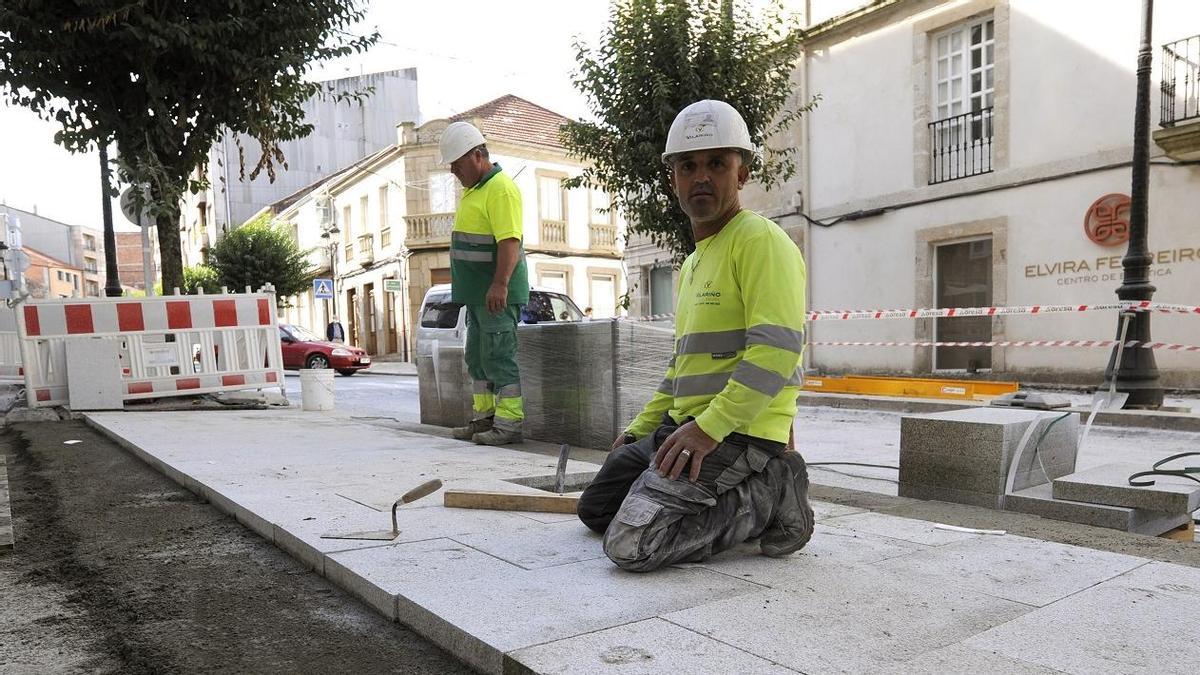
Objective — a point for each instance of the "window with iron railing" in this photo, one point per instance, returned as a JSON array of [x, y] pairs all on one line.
[[1180, 81], [960, 140]]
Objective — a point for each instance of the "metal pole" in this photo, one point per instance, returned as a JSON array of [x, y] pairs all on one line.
[[112, 282], [1137, 374], [147, 257]]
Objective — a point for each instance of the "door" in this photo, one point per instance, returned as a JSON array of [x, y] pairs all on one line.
[[963, 278], [293, 354], [389, 321], [370, 325], [353, 323], [661, 291], [604, 296]]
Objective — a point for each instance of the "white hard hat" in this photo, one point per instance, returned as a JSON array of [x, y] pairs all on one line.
[[705, 125], [457, 140]]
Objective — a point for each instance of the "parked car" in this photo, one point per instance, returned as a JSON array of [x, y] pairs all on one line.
[[304, 349], [445, 322]]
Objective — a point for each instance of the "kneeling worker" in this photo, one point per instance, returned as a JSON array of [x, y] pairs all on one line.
[[487, 274], [705, 466]]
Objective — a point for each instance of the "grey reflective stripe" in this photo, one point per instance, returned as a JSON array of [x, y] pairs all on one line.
[[759, 379], [667, 386], [776, 336], [468, 238], [509, 391], [481, 387], [717, 342], [471, 256], [700, 385]]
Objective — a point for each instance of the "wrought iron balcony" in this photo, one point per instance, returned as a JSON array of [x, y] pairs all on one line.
[[960, 146], [428, 230], [602, 238], [1180, 100]]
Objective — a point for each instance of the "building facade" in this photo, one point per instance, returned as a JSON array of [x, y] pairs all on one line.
[[75, 246], [394, 210], [343, 133], [130, 267], [978, 153], [48, 277]]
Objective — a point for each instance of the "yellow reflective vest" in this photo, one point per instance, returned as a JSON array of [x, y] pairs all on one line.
[[739, 335], [489, 212]]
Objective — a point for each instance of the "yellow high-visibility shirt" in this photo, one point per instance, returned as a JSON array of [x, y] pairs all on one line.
[[739, 335], [489, 212]]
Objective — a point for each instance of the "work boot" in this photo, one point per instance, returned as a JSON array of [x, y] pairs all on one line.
[[475, 427], [792, 524], [497, 436]]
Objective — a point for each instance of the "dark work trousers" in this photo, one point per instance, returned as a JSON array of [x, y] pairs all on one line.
[[650, 521]]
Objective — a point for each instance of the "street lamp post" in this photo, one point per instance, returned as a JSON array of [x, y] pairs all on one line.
[[331, 246], [1138, 373]]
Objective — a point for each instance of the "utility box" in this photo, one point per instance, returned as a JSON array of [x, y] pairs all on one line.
[[94, 375]]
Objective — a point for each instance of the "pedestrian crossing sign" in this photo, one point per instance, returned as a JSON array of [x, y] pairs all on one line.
[[323, 289]]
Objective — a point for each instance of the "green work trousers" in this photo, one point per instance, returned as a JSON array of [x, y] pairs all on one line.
[[491, 354]]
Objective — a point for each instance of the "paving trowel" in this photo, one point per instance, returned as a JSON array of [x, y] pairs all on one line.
[[423, 490]]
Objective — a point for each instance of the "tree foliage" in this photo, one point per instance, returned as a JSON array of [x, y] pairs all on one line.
[[259, 253], [163, 78], [656, 57], [199, 277]]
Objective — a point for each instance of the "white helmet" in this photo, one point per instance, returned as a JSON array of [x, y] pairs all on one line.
[[705, 125], [457, 140]]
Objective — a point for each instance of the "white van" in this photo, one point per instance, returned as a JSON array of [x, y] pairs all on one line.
[[445, 322]]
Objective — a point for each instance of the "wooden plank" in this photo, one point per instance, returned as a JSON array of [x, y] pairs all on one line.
[[511, 501]]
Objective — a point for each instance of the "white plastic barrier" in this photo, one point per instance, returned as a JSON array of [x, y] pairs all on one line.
[[10, 346], [168, 346]]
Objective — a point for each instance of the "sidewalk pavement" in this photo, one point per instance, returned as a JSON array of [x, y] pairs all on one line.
[[392, 368], [524, 592]]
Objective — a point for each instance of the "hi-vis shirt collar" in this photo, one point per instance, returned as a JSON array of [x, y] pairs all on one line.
[[487, 176]]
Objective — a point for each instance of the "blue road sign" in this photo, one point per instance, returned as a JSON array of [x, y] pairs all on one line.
[[323, 289]]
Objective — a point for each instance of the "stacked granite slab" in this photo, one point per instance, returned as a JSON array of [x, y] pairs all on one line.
[[1151, 509], [582, 382], [6, 531], [964, 456]]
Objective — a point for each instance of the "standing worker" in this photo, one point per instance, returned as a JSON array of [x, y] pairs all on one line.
[[715, 434], [487, 274]]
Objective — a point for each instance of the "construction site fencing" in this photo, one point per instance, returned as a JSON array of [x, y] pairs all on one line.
[[165, 346]]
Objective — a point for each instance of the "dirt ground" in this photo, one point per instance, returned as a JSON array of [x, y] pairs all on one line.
[[117, 569]]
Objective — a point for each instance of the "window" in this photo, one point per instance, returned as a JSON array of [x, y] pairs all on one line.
[[439, 312], [385, 228], [661, 290], [602, 213], [93, 289], [442, 196], [348, 238], [604, 295], [553, 279], [439, 275], [61, 276], [89, 242], [963, 278], [551, 198], [549, 307], [963, 98]]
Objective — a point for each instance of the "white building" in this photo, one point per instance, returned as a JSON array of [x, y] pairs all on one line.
[[955, 155], [394, 211], [343, 132]]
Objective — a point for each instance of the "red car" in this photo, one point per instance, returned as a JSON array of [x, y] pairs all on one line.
[[303, 349]]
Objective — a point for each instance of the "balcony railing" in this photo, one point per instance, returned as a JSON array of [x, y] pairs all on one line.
[[427, 230], [602, 238], [554, 234], [960, 146], [385, 237], [1180, 81], [349, 249], [366, 249]]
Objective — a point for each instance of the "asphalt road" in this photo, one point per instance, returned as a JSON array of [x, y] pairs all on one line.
[[367, 394], [117, 569]]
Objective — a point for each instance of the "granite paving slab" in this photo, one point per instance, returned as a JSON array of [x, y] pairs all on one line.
[[849, 618], [1040, 501], [916, 531], [1139, 622], [1015, 568], [536, 545], [482, 619], [958, 658], [1109, 484], [829, 546], [641, 648], [826, 510]]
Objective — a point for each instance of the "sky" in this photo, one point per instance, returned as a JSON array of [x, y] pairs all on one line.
[[466, 52]]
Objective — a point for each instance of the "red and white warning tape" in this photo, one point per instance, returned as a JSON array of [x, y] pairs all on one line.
[[945, 312], [1019, 343]]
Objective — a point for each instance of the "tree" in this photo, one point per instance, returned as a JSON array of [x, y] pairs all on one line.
[[655, 58], [163, 78], [259, 253], [199, 277]]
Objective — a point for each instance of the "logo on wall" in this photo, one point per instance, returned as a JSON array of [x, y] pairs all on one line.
[[1107, 220]]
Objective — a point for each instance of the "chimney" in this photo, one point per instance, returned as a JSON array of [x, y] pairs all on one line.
[[406, 132]]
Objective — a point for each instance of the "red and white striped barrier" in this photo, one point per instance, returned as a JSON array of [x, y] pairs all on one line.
[[1019, 343], [167, 346]]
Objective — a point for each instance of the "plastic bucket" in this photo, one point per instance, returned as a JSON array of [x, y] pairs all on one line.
[[316, 389]]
